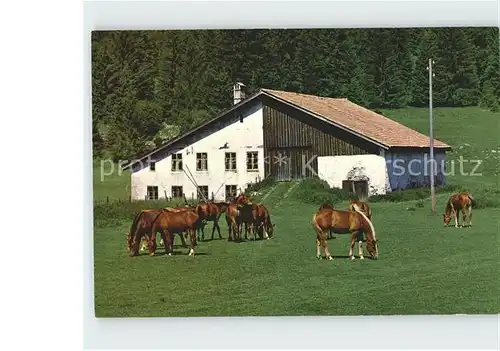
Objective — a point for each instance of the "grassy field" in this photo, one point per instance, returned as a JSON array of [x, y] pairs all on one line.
[[423, 268]]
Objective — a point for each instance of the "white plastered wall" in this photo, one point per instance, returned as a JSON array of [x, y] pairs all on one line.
[[335, 169]]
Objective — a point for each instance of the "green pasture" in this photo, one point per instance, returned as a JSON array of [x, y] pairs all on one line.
[[423, 267]]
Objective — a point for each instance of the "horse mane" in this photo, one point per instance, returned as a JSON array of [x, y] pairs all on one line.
[[372, 228], [133, 227], [448, 208]]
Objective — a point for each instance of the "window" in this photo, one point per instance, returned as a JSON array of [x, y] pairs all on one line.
[[177, 162], [152, 166], [201, 161], [230, 161], [203, 192], [177, 191], [152, 193], [231, 192], [252, 161]]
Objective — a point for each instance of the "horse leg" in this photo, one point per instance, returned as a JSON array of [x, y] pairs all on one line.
[[216, 225], [318, 244], [230, 234], [360, 245], [464, 217], [325, 247], [213, 228], [167, 241], [152, 242], [455, 215], [470, 216], [192, 236], [183, 239], [353, 243]]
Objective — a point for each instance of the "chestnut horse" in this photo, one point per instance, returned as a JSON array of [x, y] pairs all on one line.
[[211, 212], [262, 222], [363, 206], [233, 217], [168, 223], [343, 222], [141, 229], [327, 206], [458, 202]]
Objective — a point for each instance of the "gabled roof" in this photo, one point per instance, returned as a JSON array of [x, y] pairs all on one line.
[[340, 112], [359, 119]]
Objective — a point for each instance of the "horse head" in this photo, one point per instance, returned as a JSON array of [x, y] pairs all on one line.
[[372, 247], [446, 218], [269, 227], [241, 199], [129, 241]]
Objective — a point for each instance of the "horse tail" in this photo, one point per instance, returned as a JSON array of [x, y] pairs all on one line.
[[315, 225], [472, 201], [372, 228]]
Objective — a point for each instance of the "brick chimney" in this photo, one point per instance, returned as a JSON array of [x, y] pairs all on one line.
[[238, 92]]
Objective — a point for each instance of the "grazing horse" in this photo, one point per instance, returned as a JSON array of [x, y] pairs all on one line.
[[168, 223], [363, 206], [343, 222], [458, 202], [262, 222], [141, 227]]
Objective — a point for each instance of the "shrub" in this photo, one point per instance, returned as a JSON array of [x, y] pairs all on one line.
[[259, 186], [111, 214], [419, 204], [317, 191], [412, 194]]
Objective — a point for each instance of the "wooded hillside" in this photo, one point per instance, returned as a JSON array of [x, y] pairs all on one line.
[[149, 86]]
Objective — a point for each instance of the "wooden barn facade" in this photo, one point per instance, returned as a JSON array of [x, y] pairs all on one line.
[[288, 136]]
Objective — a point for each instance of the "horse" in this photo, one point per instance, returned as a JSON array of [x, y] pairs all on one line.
[[141, 228], [263, 223], [233, 216], [363, 206], [211, 212], [458, 202], [343, 222], [168, 223]]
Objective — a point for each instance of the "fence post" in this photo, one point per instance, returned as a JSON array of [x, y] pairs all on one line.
[[107, 200]]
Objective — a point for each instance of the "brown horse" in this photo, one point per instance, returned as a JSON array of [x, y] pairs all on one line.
[[233, 216], [141, 228], [363, 206], [211, 212], [168, 223], [232, 221], [262, 222], [458, 202], [343, 222]]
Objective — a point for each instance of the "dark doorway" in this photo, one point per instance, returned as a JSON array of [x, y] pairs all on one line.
[[357, 187]]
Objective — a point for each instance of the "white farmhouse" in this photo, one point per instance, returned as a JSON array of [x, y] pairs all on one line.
[[287, 136]]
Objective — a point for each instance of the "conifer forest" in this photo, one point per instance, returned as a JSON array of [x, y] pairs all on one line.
[[150, 86]]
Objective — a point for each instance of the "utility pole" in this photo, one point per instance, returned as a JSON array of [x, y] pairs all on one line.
[[431, 136]]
